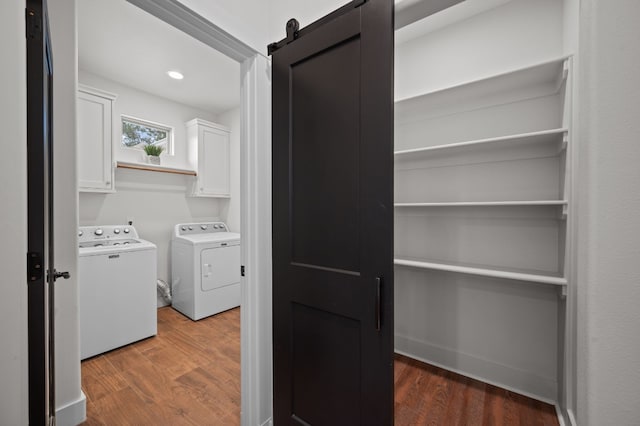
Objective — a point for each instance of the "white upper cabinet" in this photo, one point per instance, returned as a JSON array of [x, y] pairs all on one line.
[[209, 150], [95, 135]]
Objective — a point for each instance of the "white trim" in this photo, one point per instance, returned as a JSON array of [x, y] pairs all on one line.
[[73, 413], [255, 159], [268, 422], [559, 415], [97, 92], [200, 121]]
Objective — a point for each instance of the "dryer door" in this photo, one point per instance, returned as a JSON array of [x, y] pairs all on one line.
[[220, 267]]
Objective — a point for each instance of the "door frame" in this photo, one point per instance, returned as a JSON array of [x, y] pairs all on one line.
[[255, 199]]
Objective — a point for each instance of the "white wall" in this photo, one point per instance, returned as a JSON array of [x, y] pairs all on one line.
[[609, 317], [231, 210], [69, 397], [13, 220], [511, 36], [155, 201]]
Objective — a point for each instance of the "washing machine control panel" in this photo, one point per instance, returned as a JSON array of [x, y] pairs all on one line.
[[107, 232], [200, 228]]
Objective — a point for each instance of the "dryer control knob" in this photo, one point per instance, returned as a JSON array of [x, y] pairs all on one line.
[[184, 228], [80, 233], [215, 226], [126, 230], [191, 228], [203, 227], [116, 231], [98, 231]]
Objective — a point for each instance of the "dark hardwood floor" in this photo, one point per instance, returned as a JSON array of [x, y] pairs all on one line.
[[428, 395], [189, 374]]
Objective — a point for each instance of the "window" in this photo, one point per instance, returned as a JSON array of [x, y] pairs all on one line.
[[137, 133]]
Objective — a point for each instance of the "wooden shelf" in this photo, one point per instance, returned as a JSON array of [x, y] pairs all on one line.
[[154, 168], [486, 204], [494, 273], [545, 136]]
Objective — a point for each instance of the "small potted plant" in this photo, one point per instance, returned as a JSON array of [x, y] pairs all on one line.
[[153, 153]]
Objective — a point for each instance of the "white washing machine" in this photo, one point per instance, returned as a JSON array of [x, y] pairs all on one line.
[[205, 269], [117, 286]]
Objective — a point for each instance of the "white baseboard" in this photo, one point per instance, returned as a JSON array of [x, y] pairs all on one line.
[[523, 382], [268, 422], [73, 413], [559, 415]]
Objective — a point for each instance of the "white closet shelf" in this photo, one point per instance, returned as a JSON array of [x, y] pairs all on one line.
[[487, 203], [549, 74], [494, 273], [541, 137]]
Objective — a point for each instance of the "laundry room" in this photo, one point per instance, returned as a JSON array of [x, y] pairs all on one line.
[[159, 210]]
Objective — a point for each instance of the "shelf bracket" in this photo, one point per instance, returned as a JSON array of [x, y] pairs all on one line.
[[563, 291], [565, 69], [564, 75], [565, 142]]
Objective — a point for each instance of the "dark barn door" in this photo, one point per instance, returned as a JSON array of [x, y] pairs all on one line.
[[333, 219]]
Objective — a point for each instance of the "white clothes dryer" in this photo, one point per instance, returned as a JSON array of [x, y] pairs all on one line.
[[205, 269]]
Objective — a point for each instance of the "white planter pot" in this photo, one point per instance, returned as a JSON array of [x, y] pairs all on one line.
[[153, 159]]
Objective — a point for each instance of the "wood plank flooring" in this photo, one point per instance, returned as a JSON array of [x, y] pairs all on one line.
[[189, 374], [428, 395]]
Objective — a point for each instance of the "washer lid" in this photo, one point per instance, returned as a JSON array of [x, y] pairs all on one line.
[[110, 248], [215, 237]]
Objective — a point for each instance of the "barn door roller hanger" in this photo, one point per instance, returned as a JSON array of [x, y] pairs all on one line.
[[293, 28]]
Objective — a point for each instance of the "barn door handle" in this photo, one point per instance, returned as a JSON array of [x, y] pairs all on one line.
[[378, 303]]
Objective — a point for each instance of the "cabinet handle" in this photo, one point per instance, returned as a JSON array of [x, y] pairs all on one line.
[[378, 303]]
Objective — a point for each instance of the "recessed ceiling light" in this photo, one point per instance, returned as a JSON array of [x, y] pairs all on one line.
[[175, 75]]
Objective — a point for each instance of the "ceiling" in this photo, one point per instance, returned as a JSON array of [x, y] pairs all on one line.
[[121, 42]]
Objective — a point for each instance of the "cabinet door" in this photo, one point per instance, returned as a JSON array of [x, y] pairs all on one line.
[[213, 162], [94, 143]]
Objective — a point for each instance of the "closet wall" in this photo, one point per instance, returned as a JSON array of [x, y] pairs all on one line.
[[482, 146]]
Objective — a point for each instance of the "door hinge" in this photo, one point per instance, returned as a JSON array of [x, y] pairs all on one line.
[[33, 25], [242, 270], [34, 266]]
